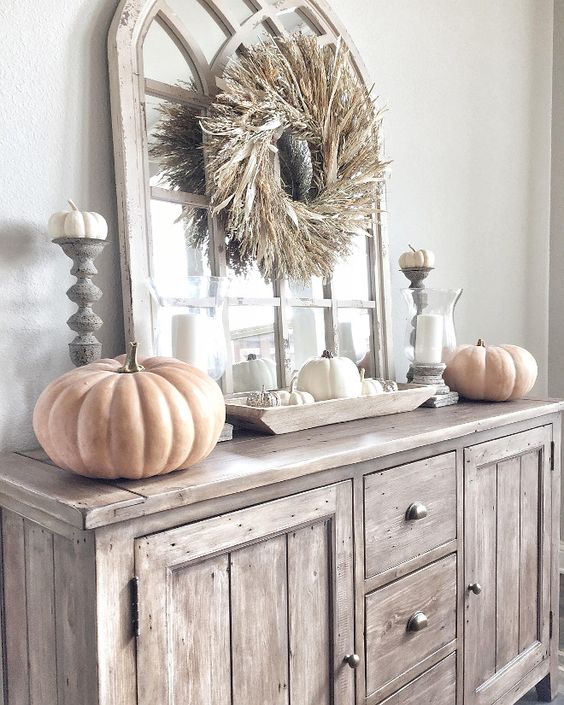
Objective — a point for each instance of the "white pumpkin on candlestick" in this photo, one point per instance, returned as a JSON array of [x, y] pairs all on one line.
[[254, 373], [77, 223], [329, 377], [416, 258]]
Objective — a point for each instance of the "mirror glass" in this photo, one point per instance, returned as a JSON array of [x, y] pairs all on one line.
[[163, 59], [307, 334], [200, 22]]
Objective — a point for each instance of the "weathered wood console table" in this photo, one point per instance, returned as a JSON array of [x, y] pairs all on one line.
[[402, 560]]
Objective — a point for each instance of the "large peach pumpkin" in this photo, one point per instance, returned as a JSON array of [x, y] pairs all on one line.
[[117, 418], [491, 373]]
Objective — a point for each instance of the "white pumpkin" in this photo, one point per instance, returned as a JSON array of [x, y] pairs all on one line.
[[75, 223], [416, 258], [295, 397], [254, 373], [329, 377], [370, 387]]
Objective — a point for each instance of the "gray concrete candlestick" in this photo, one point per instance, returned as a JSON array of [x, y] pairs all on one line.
[[83, 251]]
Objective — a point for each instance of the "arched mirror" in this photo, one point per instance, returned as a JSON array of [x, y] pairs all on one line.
[[174, 51]]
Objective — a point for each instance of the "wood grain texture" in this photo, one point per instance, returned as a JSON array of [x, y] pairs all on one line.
[[508, 530], [115, 651], [480, 537], [259, 645], [529, 543], [75, 623], [61, 494], [15, 609], [310, 647], [198, 655], [40, 600], [435, 687], [390, 649], [248, 462], [390, 538]]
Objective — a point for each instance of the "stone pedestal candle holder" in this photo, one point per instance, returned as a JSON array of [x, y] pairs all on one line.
[[83, 251], [432, 373]]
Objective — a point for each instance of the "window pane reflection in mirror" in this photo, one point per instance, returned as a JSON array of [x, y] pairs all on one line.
[[354, 333], [350, 279], [163, 60], [174, 257], [202, 24], [307, 334], [253, 348]]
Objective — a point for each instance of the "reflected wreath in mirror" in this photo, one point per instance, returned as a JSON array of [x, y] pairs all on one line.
[[294, 156]]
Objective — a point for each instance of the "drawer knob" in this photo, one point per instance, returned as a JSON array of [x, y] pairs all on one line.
[[353, 660], [416, 511], [417, 622], [476, 588]]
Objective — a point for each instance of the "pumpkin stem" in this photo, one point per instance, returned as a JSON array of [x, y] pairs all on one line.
[[412, 248], [293, 384], [72, 204], [327, 354], [481, 343], [252, 356], [362, 373], [131, 364]]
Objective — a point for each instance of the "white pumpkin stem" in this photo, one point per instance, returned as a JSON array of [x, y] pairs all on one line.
[[293, 384], [251, 357], [72, 204], [362, 373], [131, 365], [327, 354], [481, 343], [412, 248]]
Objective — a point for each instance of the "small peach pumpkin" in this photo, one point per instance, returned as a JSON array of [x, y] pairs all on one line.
[[491, 373], [118, 418]]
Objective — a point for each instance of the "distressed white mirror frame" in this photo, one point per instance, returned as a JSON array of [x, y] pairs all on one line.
[[129, 88]]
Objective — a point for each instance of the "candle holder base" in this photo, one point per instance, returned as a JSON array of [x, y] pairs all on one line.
[[432, 373]]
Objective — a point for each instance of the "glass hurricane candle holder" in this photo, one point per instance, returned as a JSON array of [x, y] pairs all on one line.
[[190, 321], [430, 338]]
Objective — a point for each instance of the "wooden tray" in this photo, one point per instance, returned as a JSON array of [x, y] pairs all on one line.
[[285, 419]]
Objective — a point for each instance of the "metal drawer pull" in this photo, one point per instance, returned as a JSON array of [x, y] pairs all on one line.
[[416, 511], [476, 588], [417, 622], [353, 660]]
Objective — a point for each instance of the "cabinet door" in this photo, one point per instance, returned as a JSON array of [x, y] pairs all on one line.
[[507, 554], [250, 608]]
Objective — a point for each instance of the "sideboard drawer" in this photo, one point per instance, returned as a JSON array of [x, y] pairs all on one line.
[[437, 686], [409, 620], [391, 537]]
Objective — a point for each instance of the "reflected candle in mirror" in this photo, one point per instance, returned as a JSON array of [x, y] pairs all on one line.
[[189, 334], [429, 338]]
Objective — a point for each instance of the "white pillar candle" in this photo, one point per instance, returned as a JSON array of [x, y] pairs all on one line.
[[429, 338], [189, 334]]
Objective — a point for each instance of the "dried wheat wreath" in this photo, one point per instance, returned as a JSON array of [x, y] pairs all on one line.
[[293, 215]]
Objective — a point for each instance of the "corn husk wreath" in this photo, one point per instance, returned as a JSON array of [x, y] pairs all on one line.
[[312, 93]]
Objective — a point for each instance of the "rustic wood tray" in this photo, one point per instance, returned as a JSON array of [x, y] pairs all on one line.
[[285, 419]]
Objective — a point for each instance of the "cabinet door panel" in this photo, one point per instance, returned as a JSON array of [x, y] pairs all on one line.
[[309, 627], [251, 607], [259, 623], [507, 551], [199, 603]]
